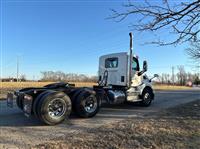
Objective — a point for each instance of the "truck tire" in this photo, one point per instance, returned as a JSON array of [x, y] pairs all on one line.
[[74, 98], [147, 97], [53, 107], [36, 102], [87, 104]]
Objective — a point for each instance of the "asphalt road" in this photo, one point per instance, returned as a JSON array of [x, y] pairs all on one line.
[[16, 130]]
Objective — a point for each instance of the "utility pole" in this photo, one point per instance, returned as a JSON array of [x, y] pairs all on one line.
[[33, 78], [173, 75], [17, 68]]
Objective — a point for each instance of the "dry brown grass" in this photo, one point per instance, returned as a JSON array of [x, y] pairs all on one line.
[[11, 85], [170, 87], [168, 129], [14, 85]]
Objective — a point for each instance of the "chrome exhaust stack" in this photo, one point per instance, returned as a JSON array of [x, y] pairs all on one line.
[[130, 59]]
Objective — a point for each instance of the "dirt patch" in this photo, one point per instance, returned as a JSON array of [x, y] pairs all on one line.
[[177, 127]]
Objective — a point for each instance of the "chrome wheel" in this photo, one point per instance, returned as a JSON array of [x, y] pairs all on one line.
[[90, 104], [57, 108], [147, 98]]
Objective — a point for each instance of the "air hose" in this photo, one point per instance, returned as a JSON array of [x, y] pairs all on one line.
[[104, 80]]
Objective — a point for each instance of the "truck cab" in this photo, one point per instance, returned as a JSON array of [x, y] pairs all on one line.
[[117, 66], [115, 70]]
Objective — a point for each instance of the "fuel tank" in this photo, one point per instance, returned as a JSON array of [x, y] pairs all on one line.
[[116, 96]]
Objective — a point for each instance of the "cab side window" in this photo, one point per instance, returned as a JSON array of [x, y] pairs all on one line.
[[111, 63]]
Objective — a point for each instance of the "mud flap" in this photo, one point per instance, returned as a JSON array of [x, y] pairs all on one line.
[[9, 99], [27, 105]]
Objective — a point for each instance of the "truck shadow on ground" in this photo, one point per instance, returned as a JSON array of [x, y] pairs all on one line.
[[16, 118]]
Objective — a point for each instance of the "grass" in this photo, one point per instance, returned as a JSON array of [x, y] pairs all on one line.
[[11, 86], [7, 85], [177, 127], [15, 85], [170, 87]]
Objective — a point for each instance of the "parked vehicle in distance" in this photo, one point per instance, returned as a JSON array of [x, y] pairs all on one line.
[[120, 81]]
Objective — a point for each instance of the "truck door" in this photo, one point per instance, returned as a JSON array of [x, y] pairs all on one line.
[[136, 80], [116, 66]]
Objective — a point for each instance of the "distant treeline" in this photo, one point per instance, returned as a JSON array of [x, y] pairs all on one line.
[[22, 78], [181, 77], [68, 77]]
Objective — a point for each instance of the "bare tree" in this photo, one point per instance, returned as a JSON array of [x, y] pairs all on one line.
[[180, 17], [181, 75], [165, 78], [196, 79], [194, 51], [23, 78], [68, 77]]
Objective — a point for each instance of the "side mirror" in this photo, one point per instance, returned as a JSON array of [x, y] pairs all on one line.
[[156, 75], [145, 66]]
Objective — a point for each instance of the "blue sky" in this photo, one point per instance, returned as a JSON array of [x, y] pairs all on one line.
[[71, 35]]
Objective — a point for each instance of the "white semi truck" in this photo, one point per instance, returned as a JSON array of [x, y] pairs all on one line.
[[120, 81]]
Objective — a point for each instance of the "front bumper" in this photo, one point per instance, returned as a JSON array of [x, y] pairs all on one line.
[[24, 101]]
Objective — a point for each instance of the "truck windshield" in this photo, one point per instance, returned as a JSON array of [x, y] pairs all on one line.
[[135, 64]]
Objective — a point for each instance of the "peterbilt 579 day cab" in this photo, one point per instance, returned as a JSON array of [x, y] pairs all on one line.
[[120, 81]]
